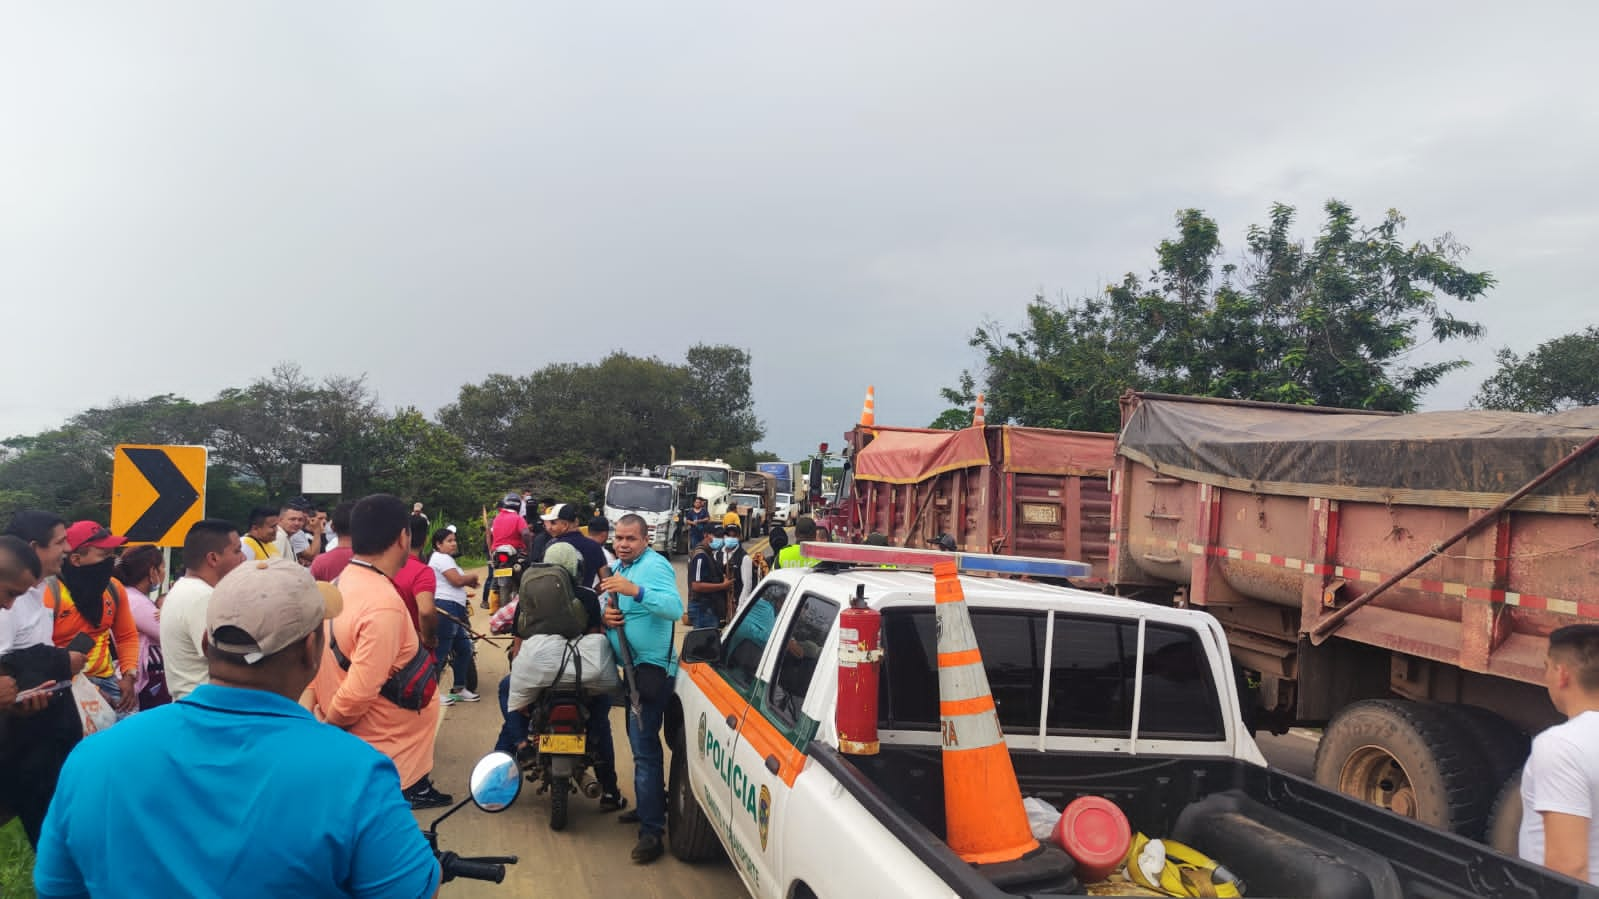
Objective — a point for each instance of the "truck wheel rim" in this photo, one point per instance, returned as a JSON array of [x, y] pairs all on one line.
[[1371, 773]]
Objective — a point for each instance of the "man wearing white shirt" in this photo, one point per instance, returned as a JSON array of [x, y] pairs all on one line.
[[1560, 783], [28, 622], [211, 549]]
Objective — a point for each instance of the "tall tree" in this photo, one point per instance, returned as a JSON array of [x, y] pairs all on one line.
[[1558, 374], [1330, 323]]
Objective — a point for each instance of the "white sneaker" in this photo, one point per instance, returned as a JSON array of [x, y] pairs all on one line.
[[449, 699], [465, 695]]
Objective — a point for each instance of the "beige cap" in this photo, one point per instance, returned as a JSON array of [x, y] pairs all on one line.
[[274, 602]]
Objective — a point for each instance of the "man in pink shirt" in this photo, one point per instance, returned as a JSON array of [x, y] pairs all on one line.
[[330, 564], [376, 636]]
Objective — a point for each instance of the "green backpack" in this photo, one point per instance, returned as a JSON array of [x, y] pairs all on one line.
[[547, 603]]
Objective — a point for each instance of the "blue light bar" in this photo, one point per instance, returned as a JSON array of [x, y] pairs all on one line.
[[965, 563]]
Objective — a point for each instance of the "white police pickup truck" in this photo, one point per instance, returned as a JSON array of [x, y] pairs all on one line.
[[1096, 695]]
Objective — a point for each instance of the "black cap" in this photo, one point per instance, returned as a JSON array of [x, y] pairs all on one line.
[[598, 524], [944, 542], [876, 539], [717, 530]]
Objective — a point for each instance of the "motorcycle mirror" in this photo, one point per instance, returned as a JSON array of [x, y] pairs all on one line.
[[496, 782]]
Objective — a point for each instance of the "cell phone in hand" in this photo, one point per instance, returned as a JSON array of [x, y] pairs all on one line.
[[81, 643], [26, 695]]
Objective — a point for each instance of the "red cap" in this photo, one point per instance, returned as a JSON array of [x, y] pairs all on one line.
[[1094, 831], [91, 533]]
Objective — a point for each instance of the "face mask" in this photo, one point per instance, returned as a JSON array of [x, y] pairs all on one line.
[[716, 543], [87, 583]]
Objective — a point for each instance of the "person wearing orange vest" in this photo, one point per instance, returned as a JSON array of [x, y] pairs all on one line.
[[85, 573]]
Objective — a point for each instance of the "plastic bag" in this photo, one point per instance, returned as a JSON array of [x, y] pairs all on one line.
[[1041, 817], [543, 655], [93, 710]]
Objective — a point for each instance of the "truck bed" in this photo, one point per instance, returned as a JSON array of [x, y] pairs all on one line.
[[1283, 835]]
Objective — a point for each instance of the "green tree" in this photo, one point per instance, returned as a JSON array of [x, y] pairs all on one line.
[[964, 400], [623, 409], [265, 431], [1330, 323], [1558, 374]]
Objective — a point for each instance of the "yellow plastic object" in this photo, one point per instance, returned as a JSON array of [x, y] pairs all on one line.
[[1174, 869]]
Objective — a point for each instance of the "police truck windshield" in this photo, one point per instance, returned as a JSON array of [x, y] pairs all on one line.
[[639, 496]]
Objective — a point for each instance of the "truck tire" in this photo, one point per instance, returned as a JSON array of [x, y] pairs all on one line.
[[1504, 822], [688, 832], [1410, 758], [1503, 746]]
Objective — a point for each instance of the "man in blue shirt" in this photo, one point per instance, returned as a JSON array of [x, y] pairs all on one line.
[[237, 790], [643, 603], [698, 519]]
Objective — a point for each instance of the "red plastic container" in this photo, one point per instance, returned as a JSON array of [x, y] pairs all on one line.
[[1094, 831]]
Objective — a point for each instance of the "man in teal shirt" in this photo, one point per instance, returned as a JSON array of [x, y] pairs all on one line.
[[642, 602]]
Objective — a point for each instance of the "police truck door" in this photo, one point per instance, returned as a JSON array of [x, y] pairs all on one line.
[[770, 752]]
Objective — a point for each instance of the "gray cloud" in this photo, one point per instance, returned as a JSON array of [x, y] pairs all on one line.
[[431, 193]]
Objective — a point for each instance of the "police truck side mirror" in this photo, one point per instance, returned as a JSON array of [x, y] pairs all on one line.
[[814, 476], [702, 645]]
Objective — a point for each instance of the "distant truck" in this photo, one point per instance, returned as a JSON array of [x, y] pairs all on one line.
[[999, 489], [1096, 696], [658, 501]]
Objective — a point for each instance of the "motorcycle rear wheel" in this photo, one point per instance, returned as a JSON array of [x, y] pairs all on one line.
[[560, 797]]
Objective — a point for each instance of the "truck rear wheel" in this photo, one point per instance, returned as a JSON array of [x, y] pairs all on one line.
[[1412, 759], [688, 832], [1504, 822], [1503, 746]]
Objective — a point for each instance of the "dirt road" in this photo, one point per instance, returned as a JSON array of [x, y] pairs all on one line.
[[589, 858]]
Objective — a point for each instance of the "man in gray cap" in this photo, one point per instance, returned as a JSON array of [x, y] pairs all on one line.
[[262, 799]]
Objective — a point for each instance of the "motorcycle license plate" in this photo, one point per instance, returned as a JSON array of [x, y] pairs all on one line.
[[562, 744], [502, 572]]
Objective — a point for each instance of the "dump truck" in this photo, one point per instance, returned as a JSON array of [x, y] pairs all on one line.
[[1390, 578], [1393, 578], [995, 489]]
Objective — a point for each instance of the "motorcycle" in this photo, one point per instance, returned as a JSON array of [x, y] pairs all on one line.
[[507, 563], [556, 756], [494, 786]]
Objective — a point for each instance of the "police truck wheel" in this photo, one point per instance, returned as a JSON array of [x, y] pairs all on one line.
[[1504, 822], [688, 832], [1410, 758], [560, 797]]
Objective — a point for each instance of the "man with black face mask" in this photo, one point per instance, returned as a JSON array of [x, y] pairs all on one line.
[[86, 600]]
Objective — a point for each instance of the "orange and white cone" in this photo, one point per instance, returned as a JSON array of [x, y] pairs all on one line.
[[984, 819], [978, 418], [869, 409]]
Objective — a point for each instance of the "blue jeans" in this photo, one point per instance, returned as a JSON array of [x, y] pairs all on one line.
[[649, 764], [455, 646], [602, 750], [702, 614]]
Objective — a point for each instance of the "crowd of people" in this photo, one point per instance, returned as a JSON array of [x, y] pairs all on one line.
[[297, 618]]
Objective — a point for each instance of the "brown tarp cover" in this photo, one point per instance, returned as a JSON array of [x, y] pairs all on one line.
[[1469, 459], [1044, 451], [910, 455]]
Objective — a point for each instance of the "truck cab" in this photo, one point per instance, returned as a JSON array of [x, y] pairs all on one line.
[[653, 499], [713, 477]]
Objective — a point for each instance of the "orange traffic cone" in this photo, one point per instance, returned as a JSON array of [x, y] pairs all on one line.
[[978, 418], [984, 819], [869, 410]]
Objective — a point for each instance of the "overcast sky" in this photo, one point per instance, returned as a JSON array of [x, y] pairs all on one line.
[[428, 193]]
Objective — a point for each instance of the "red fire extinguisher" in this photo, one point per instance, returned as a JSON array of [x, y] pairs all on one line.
[[860, 652]]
